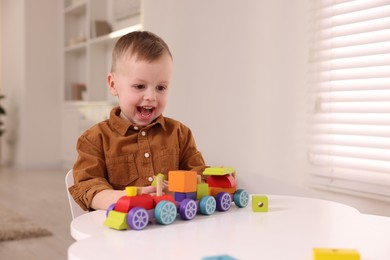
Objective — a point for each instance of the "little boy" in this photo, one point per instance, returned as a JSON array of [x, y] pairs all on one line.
[[136, 142]]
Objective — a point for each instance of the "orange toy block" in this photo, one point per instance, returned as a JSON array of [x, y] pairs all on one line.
[[182, 181], [225, 181], [124, 204], [215, 190]]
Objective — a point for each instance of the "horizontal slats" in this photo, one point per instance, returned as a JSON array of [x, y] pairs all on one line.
[[351, 140], [349, 111], [371, 84], [362, 176], [346, 129]]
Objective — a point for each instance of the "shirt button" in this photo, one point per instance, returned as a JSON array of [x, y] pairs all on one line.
[[150, 179], [143, 133], [135, 127], [147, 155]]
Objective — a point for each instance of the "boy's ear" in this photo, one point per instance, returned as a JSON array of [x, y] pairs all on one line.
[[111, 84]]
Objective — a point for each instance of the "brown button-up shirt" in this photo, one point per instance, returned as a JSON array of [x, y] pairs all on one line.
[[115, 153]]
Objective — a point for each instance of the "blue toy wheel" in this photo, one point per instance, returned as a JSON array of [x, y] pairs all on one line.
[[207, 205], [165, 212], [111, 207], [188, 209], [224, 201], [241, 198], [137, 218]]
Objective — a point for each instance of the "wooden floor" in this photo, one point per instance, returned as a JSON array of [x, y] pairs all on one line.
[[41, 197]]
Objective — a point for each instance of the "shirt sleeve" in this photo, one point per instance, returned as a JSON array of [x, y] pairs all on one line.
[[89, 172], [190, 157]]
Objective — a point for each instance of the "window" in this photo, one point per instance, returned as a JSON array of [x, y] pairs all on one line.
[[349, 117]]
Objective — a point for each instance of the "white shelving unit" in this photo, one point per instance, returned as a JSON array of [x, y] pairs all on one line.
[[87, 61], [87, 54]]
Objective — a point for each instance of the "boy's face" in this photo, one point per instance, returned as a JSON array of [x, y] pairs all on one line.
[[142, 87]]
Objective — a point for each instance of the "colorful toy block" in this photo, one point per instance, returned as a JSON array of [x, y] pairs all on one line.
[[202, 190], [259, 203], [124, 204], [167, 197], [182, 181], [154, 183], [225, 181], [215, 171], [335, 254], [213, 191], [180, 196], [116, 220], [131, 191]]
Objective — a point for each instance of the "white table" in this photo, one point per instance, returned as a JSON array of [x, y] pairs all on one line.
[[290, 230]]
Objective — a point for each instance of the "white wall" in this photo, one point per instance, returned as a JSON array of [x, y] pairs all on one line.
[[238, 81], [240, 84], [31, 78]]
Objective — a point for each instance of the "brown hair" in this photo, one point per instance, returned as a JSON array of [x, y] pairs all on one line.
[[145, 45]]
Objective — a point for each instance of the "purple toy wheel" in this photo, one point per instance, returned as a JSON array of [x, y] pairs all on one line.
[[224, 201], [111, 207], [137, 218], [188, 209]]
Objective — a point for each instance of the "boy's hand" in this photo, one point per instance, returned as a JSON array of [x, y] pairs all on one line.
[[152, 190]]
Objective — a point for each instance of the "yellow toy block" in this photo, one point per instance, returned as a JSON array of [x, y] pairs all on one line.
[[182, 181], [220, 171], [154, 183], [131, 191], [202, 190], [259, 203], [335, 254], [116, 220]]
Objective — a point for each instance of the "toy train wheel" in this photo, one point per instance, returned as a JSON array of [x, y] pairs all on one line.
[[111, 207], [207, 205], [224, 201], [188, 209], [137, 218], [165, 212], [241, 198]]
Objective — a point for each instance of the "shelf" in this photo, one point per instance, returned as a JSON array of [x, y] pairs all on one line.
[[79, 47], [76, 8], [115, 35]]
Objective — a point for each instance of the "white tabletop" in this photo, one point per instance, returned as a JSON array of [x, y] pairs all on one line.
[[290, 230]]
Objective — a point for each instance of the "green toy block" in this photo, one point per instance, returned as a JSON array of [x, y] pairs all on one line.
[[202, 190], [220, 171], [154, 183], [116, 220], [335, 254], [259, 203]]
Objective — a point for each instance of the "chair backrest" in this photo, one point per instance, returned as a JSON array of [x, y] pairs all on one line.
[[75, 209]]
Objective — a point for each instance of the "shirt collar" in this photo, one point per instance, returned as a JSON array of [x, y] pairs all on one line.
[[122, 125]]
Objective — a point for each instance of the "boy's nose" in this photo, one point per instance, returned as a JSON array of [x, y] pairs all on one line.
[[150, 95]]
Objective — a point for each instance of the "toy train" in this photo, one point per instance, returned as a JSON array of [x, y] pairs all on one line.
[[190, 196]]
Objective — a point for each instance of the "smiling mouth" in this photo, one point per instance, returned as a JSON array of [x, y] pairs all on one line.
[[145, 112]]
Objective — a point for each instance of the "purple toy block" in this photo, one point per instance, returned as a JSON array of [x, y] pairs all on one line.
[[180, 196]]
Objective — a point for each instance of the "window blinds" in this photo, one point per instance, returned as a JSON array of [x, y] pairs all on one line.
[[349, 78]]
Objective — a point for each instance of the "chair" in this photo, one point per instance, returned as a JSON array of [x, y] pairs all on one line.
[[75, 209]]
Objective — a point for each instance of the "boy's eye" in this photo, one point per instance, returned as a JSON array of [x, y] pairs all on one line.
[[161, 88], [139, 87]]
